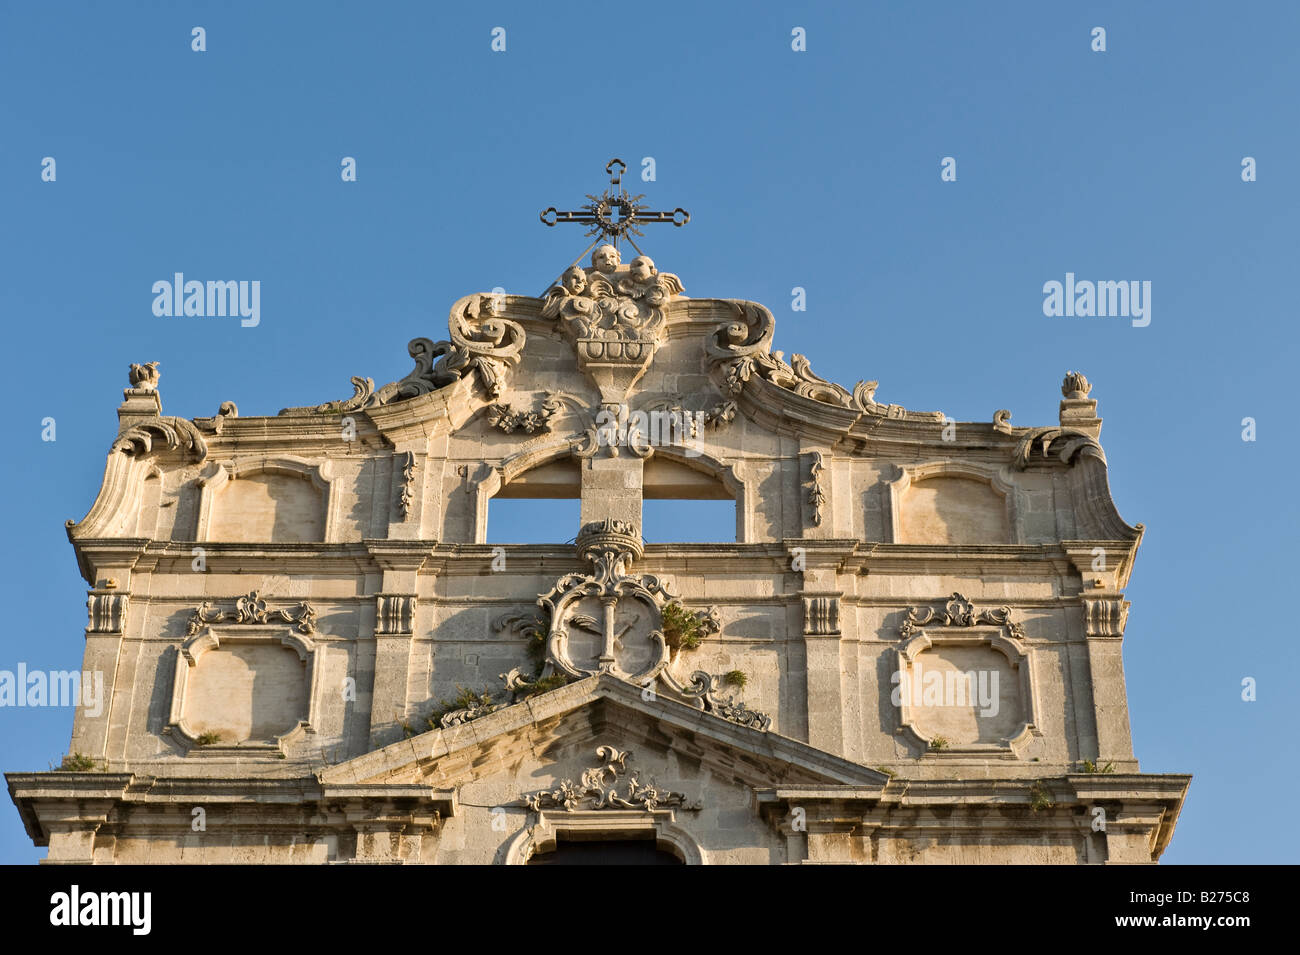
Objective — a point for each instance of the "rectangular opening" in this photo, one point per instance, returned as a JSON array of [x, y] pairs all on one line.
[[687, 521], [528, 520]]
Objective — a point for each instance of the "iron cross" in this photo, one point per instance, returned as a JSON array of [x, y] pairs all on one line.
[[614, 214]]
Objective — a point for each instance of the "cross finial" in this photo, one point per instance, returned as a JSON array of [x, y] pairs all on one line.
[[614, 214]]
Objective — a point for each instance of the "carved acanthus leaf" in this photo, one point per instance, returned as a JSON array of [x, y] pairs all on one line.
[[507, 419]]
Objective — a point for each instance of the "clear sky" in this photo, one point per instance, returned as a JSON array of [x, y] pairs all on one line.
[[818, 169]]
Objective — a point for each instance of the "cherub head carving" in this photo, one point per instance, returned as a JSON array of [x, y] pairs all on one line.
[[605, 259], [574, 280], [643, 269]]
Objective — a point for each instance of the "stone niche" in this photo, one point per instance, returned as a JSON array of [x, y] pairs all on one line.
[[246, 688], [939, 506], [279, 501]]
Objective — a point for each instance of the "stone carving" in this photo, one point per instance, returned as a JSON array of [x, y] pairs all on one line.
[[1075, 386], [816, 496], [609, 303], [959, 612], [406, 497], [251, 609], [144, 377], [139, 439], [395, 613], [214, 424], [607, 621], [704, 687], [1063, 444], [482, 344], [615, 317], [505, 418], [743, 348], [864, 397], [363, 395], [469, 713], [821, 615], [1105, 617], [106, 612], [608, 786]]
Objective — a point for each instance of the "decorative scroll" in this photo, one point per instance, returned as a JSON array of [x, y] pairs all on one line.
[[482, 344], [743, 348], [959, 612], [607, 621], [1042, 445], [608, 786], [704, 687], [252, 609], [139, 439]]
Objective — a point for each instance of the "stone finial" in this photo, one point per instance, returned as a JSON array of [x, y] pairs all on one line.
[[1078, 411], [141, 400], [1075, 386], [144, 377]]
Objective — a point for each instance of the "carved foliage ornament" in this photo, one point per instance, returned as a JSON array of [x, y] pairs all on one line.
[[252, 609], [505, 418], [608, 786], [959, 612]]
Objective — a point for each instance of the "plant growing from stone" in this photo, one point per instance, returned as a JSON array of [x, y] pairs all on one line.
[[683, 629]]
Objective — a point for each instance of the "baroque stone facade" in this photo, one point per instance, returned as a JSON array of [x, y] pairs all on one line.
[[911, 653]]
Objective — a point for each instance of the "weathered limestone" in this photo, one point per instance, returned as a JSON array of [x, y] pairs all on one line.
[[911, 653]]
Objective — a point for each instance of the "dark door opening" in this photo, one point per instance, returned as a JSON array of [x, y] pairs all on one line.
[[606, 852]]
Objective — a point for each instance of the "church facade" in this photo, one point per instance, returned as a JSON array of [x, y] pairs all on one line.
[[910, 654]]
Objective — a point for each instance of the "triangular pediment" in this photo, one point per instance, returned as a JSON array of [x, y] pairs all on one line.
[[600, 711]]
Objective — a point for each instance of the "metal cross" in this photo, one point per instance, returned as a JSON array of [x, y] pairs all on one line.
[[614, 214]]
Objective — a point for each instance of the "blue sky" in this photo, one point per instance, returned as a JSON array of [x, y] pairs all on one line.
[[817, 169]]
